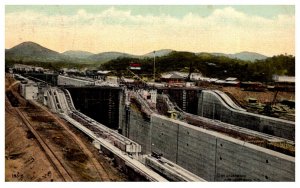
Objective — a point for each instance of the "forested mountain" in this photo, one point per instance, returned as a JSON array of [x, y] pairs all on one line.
[[210, 65], [77, 54], [246, 56], [30, 52]]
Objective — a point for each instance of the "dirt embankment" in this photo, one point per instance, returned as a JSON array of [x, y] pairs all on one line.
[[25, 160], [262, 97], [263, 100]]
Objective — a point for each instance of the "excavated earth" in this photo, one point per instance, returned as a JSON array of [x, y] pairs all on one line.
[[25, 160]]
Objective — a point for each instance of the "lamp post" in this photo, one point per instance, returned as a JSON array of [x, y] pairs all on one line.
[[154, 67]]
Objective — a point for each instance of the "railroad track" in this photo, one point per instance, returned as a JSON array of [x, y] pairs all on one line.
[[102, 172], [49, 153], [53, 159]]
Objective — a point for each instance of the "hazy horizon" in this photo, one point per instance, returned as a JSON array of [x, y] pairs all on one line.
[[268, 30]]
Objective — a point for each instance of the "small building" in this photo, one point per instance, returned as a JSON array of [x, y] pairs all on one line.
[[211, 80], [220, 82], [232, 83], [128, 80], [284, 83], [196, 76], [172, 77], [190, 84], [103, 74], [149, 95], [29, 91], [156, 84], [231, 79], [283, 79], [25, 68], [135, 66], [71, 71], [39, 69], [109, 81]]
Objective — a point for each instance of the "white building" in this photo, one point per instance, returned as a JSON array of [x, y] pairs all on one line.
[[278, 78], [231, 79], [29, 91], [22, 67], [196, 76]]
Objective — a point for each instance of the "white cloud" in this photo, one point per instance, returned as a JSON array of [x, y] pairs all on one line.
[[225, 30]]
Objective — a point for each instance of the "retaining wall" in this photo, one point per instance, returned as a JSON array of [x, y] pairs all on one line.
[[216, 157], [208, 154], [65, 80], [99, 103], [139, 130], [212, 106]]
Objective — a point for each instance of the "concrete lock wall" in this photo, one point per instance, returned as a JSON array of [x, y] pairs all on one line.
[[212, 106], [186, 99], [65, 80], [140, 130], [49, 78], [216, 157], [208, 154], [99, 103]]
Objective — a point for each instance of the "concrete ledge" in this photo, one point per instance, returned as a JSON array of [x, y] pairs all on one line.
[[133, 163], [171, 170]]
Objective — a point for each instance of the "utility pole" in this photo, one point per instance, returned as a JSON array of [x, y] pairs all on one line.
[[154, 67]]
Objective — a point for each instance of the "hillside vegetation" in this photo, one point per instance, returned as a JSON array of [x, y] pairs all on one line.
[[210, 66], [216, 65]]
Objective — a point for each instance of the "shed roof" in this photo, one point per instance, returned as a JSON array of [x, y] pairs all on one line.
[[231, 79], [103, 72], [172, 75], [278, 78]]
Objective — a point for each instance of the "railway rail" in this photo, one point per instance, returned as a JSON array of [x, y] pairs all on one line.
[[102, 172], [53, 159], [50, 154]]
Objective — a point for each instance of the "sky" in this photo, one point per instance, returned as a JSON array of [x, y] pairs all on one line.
[[265, 29]]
